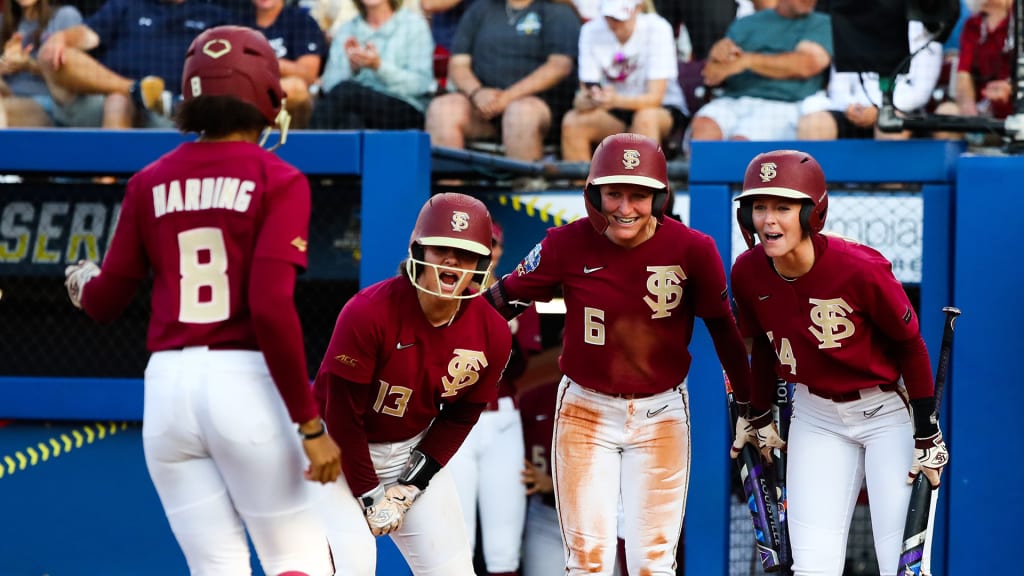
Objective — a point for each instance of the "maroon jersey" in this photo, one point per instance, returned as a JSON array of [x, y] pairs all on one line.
[[382, 339], [986, 55], [629, 311], [198, 216], [833, 328]]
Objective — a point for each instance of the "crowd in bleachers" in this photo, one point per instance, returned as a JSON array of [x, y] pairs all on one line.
[[530, 79]]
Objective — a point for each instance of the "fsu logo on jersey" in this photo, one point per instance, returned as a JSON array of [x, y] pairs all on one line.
[[768, 171], [463, 370], [830, 322], [460, 221], [664, 284], [630, 159]]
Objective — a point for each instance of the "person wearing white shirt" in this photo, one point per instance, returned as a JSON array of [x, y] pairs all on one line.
[[628, 72], [853, 99]]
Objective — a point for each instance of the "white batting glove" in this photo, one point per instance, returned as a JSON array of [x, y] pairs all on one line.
[[930, 457], [383, 515], [403, 495], [76, 276], [767, 434], [745, 434]]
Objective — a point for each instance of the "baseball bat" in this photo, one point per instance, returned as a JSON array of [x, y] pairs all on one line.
[[759, 491], [783, 411], [915, 553]]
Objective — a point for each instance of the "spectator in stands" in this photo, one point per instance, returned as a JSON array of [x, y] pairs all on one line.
[[767, 64], [444, 19], [379, 73], [517, 93], [854, 98], [628, 80], [986, 60], [24, 97], [139, 39], [487, 466], [299, 43]]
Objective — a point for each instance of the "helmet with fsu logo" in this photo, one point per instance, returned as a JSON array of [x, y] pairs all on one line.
[[455, 221], [784, 174], [234, 61], [626, 159]]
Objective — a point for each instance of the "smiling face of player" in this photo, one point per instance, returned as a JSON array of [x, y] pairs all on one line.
[[628, 210], [777, 222], [449, 271]]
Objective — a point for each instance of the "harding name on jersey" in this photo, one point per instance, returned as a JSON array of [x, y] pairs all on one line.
[[202, 194]]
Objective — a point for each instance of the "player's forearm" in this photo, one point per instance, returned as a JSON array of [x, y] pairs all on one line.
[[732, 353], [762, 375], [279, 334], [449, 430], [106, 296], [915, 366]]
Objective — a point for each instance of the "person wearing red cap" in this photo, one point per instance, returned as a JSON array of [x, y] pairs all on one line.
[[412, 363], [827, 315], [633, 282]]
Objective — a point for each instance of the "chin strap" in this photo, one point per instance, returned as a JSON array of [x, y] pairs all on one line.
[[283, 121]]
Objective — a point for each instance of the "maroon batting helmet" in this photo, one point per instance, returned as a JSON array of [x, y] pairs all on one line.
[[234, 61], [784, 174], [626, 159], [456, 221]]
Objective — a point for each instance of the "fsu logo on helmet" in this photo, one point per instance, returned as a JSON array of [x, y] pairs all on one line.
[[630, 159], [460, 221], [768, 171]]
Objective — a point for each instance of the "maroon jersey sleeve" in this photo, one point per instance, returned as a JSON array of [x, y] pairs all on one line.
[[352, 352], [537, 276], [284, 234], [127, 254], [344, 404], [707, 278]]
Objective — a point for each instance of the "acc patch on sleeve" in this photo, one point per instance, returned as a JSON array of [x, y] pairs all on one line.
[[530, 263]]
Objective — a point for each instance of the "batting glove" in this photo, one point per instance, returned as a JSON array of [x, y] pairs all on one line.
[[745, 434], [383, 515], [767, 434], [403, 495], [930, 457], [76, 276]]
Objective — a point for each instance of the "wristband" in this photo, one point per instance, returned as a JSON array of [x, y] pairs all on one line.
[[419, 470], [314, 435]]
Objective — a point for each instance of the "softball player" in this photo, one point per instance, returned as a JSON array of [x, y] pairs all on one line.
[[486, 467], [633, 281], [827, 314], [412, 363], [223, 225]]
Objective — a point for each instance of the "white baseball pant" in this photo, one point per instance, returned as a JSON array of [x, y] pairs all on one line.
[[833, 448], [606, 446], [221, 450]]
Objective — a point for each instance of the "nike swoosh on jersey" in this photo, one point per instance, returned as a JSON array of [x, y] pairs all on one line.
[[401, 346], [870, 413], [765, 297], [653, 413], [592, 270]]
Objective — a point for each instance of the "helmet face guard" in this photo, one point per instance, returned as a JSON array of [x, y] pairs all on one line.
[[454, 221], [790, 174], [627, 158], [239, 62]]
